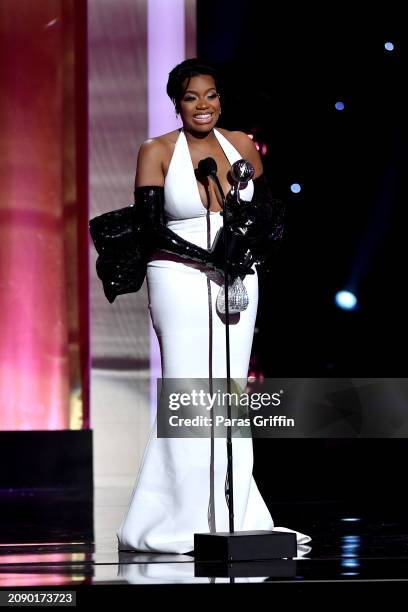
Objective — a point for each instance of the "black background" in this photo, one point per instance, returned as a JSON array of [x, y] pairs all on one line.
[[282, 69]]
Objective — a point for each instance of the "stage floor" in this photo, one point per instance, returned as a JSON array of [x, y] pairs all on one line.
[[353, 547]]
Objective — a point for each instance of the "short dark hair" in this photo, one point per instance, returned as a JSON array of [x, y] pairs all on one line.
[[186, 70]]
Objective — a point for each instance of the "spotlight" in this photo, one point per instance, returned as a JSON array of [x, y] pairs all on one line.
[[339, 106], [346, 300], [295, 188], [389, 46]]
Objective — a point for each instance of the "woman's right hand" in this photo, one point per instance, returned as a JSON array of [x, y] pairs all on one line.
[[239, 259]]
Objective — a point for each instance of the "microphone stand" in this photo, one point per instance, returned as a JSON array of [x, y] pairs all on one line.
[[230, 473], [217, 552]]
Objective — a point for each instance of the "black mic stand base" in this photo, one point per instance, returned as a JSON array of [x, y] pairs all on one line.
[[226, 547]]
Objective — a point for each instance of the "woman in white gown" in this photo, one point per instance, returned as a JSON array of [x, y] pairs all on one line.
[[180, 488]]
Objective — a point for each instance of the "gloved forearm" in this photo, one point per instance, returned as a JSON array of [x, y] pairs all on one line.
[[260, 222], [149, 203]]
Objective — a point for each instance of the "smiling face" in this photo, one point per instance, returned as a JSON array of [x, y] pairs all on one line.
[[199, 105]]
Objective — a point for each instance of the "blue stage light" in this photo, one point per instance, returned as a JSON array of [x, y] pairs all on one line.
[[339, 106], [389, 46], [346, 300], [351, 539], [295, 188], [350, 563]]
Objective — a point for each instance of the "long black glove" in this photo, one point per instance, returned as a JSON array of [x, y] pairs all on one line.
[[149, 205], [124, 239], [258, 224]]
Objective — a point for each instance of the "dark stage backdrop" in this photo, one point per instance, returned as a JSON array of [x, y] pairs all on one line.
[[284, 69]]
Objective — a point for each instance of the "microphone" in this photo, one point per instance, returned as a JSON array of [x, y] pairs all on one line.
[[208, 167]]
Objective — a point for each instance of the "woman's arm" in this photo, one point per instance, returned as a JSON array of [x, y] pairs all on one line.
[[248, 150], [149, 169], [262, 220]]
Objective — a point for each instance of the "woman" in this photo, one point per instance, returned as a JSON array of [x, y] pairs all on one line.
[[180, 489]]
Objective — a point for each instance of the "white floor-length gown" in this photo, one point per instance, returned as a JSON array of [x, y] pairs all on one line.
[[180, 488]]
